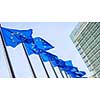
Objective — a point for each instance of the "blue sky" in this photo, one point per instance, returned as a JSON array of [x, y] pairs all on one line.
[[56, 33]]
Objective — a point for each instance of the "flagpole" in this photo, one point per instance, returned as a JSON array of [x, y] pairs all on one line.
[[44, 66], [54, 70], [33, 72], [66, 74], [61, 72], [8, 59]]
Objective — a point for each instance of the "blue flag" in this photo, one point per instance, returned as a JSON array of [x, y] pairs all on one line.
[[53, 59], [42, 44], [54, 62], [61, 63], [81, 73], [65, 64], [65, 67], [46, 56], [68, 67], [14, 37], [31, 48], [37, 45], [74, 69], [76, 73], [73, 75]]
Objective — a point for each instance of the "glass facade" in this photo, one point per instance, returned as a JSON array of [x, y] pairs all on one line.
[[87, 41]]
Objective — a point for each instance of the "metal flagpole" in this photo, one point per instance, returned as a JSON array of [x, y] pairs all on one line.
[[44, 66], [9, 62], [54, 70], [61, 72], [66, 74], [33, 72]]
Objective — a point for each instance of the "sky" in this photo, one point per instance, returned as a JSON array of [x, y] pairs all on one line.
[[57, 34]]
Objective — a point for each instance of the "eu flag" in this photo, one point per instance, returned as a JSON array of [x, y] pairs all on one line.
[[76, 73], [37, 45], [73, 75], [74, 69], [81, 73], [14, 37], [46, 56], [42, 44], [66, 68], [62, 64], [54, 62], [31, 48]]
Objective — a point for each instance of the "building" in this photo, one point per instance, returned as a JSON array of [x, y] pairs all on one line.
[[86, 37]]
